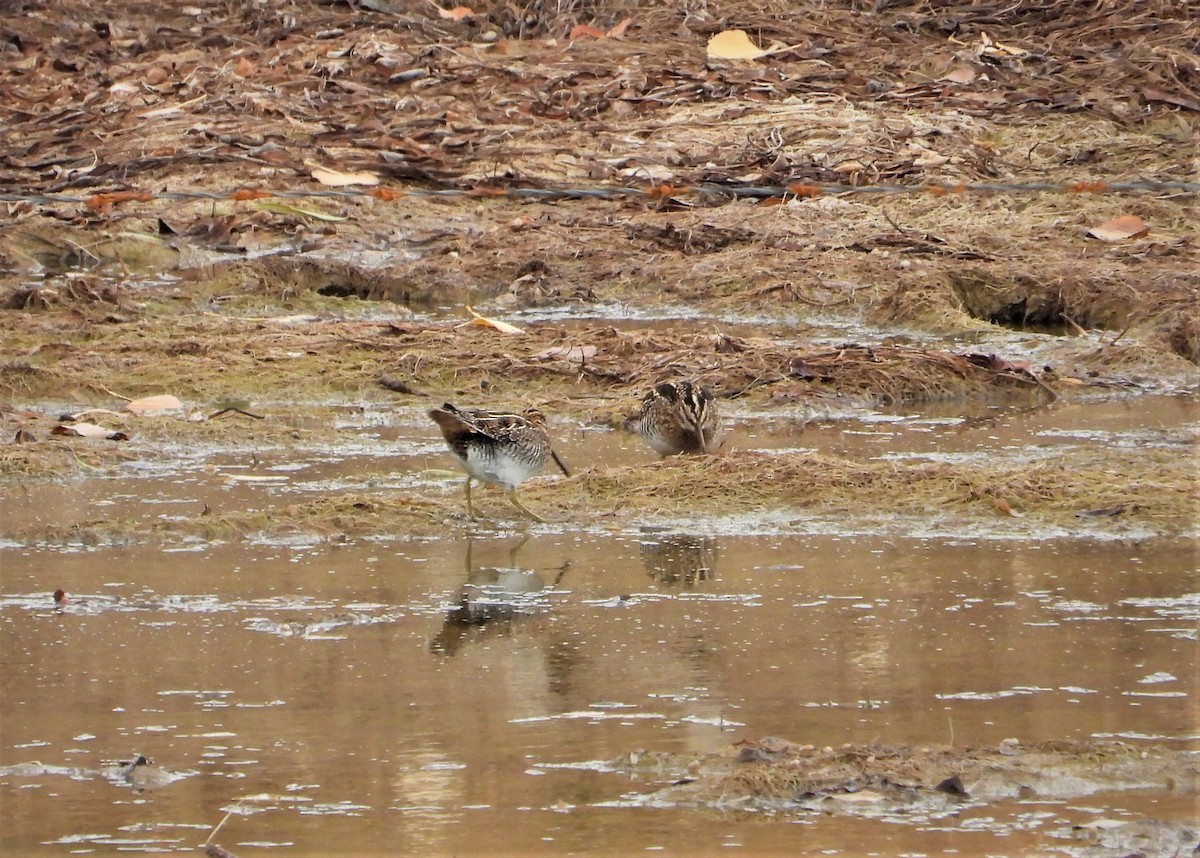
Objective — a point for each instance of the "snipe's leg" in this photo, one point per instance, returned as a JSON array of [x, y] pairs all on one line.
[[470, 509], [512, 496]]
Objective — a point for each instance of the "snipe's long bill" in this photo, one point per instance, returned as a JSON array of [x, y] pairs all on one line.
[[678, 417], [502, 449]]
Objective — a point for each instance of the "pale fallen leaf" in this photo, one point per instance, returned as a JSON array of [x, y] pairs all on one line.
[[153, 404], [619, 30], [579, 353], [338, 179], [485, 322], [960, 74], [89, 430], [255, 478], [294, 319], [1119, 228], [734, 45], [863, 795], [848, 168], [988, 47], [930, 159]]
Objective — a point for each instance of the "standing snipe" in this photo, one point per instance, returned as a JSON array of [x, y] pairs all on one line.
[[502, 449], [678, 417]]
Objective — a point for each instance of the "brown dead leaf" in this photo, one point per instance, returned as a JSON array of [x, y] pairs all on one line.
[[243, 67], [960, 74], [455, 14], [154, 404], [1151, 93], [338, 179], [1005, 507], [1119, 228], [585, 30], [24, 436]]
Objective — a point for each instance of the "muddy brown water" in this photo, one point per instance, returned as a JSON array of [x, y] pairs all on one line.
[[463, 695]]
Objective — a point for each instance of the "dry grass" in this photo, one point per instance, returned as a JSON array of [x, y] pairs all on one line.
[[772, 770], [1147, 491], [1148, 486]]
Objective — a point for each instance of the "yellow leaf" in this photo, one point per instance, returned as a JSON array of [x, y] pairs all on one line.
[[1119, 228], [485, 322], [733, 45], [151, 404]]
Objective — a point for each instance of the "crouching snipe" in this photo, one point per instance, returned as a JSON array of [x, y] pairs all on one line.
[[502, 449], [678, 417]]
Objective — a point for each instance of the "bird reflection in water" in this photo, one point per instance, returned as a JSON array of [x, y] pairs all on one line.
[[492, 600], [679, 559]]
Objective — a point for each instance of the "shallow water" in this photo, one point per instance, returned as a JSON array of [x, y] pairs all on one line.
[[353, 701], [464, 695]]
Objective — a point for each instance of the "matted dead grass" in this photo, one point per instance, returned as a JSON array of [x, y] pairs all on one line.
[[772, 772], [208, 358], [1147, 487], [1092, 492]]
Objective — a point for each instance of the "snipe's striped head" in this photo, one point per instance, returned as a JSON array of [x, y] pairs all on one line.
[[678, 417]]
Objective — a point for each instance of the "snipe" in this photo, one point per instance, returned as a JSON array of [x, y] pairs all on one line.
[[502, 449], [678, 417]]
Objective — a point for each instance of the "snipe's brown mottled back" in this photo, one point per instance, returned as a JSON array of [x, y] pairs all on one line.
[[678, 417], [502, 449]]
